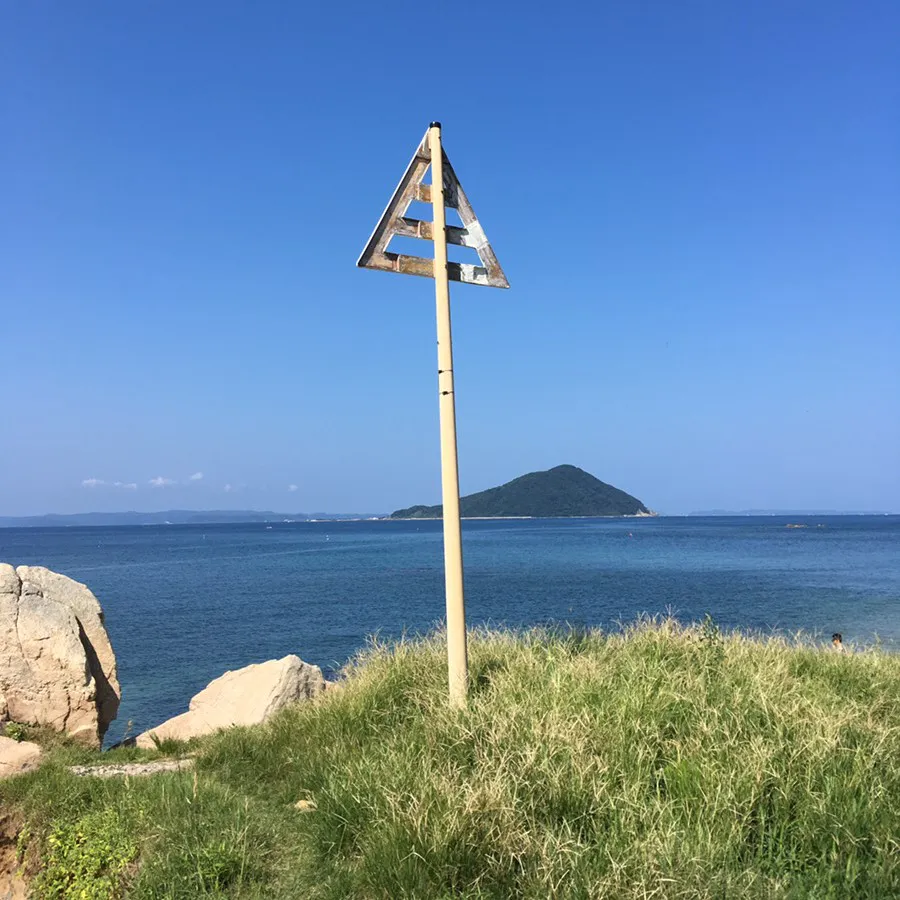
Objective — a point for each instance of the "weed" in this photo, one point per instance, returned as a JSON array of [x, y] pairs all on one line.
[[86, 858], [15, 730], [711, 638]]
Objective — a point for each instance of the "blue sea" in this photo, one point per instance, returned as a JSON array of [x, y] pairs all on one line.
[[185, 603]]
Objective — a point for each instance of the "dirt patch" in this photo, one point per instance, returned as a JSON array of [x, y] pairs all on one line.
[[132, 769], [12, 884]]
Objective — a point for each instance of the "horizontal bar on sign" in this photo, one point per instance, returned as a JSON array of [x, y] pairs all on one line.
[[405, 265], [416, 228], [416, 265], [422, 193]]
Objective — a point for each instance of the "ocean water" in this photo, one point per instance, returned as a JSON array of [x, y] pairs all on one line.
[[185, 603]]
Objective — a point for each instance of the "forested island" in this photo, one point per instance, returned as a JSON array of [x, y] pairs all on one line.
[[561, 492]]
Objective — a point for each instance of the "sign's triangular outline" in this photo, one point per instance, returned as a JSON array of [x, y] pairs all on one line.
[[393, 221]]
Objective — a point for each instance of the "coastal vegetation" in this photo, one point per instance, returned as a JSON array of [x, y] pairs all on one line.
[[658, 761], [558, 492]]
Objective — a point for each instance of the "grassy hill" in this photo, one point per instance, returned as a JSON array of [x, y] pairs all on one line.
[[561, 491], [662, 762]]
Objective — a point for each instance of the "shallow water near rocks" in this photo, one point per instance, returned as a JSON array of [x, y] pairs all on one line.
[[185, 603]]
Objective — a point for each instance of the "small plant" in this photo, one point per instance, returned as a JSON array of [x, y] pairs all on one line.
[[22, 840], [86, 858], [167, 746], [711, 638], [15, 730]]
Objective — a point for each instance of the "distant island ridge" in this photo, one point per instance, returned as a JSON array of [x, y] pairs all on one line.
[[562, 492], [175, 517], [710, 513]]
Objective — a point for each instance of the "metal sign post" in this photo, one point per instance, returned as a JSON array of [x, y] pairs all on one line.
[[444, 190]]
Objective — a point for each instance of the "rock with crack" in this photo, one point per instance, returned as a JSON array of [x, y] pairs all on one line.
[[246, 696], [57, 666]]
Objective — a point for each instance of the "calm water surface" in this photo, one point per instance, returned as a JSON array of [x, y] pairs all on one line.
[[185, 603]]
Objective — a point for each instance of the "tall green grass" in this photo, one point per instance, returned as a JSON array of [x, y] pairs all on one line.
[[661, 762]]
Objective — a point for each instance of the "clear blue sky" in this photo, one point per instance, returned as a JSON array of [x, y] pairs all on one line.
[[697, 205]]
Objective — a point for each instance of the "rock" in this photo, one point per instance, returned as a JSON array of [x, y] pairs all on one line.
[[17, 757], [57, 666], [246, 696]]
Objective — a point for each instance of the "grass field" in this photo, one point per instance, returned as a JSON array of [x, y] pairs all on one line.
[[663, 762]]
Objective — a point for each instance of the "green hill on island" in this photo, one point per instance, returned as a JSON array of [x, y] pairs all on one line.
[[557, 493]]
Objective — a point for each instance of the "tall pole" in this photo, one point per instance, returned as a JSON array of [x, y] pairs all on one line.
[[457, 662]]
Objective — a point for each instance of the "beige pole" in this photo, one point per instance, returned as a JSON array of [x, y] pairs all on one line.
[[457, 663]]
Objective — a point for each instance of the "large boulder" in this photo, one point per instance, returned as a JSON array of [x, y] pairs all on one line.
[[57, 666], [246, 696], [17, 757]]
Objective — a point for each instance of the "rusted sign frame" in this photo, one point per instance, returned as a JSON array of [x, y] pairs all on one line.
[[394, 221]]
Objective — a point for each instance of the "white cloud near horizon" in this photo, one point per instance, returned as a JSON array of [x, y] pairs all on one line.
[[101, 482], [161, 481], [292, 488], [197, 476]]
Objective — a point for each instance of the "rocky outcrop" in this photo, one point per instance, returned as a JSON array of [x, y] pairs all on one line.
[[57, 666], [246, 696], [17, 757]]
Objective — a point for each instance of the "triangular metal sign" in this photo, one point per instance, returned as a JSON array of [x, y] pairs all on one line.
[[394, 222]]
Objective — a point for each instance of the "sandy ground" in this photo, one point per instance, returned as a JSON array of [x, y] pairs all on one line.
[[12, 885]]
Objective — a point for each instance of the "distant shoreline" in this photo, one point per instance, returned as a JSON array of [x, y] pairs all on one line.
[[135, 520], [768, 513], [651, 515]]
